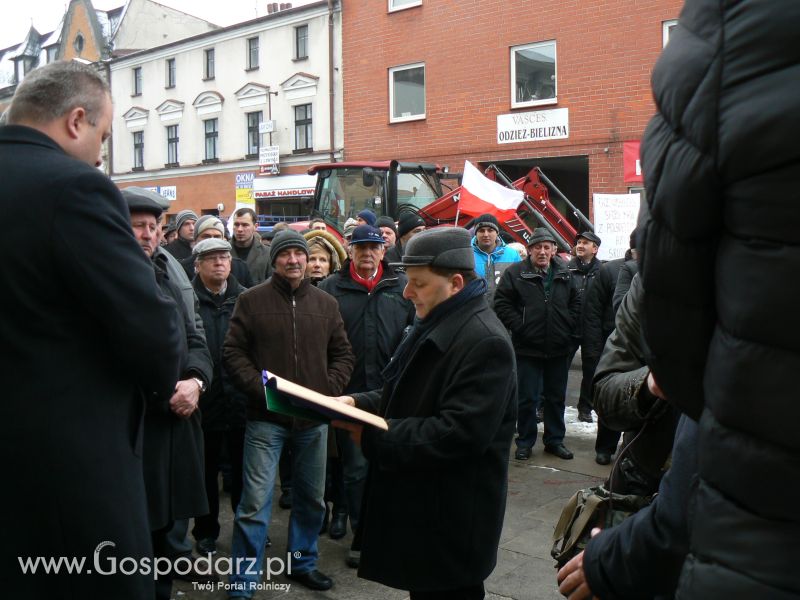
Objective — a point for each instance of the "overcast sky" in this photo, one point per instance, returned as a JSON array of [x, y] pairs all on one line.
[[45, 14]]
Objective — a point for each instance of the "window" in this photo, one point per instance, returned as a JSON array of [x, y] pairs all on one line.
[[52, 54], [303, 140], [401, 4], [212, 133], [137, 81], [407, 92], [533, 74], [208, 72], [138, 150], [78, 43], [666, 31], [253, 136], [252, 53], [172, 146], [301, 42], [170, 65]]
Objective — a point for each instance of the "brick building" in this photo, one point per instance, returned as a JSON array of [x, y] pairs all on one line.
[[561, 84]]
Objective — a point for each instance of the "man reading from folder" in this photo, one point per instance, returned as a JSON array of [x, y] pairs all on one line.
[[435, 498]]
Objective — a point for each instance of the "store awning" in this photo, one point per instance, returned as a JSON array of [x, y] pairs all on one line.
[[284, 186]]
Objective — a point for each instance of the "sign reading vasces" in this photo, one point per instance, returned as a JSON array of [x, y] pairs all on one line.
[[533, 126]]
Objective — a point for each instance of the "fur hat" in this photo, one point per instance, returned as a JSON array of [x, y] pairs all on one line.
[[445, 247], [327, 240], [283, 240]]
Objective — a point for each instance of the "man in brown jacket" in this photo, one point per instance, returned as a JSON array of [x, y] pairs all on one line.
[[295, 330]]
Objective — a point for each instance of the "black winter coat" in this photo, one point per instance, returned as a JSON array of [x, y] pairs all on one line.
[[624, 279], [84, 325], [436, 490], [719, 258], [598, 309], [541, 326], [173, 446], [583, 277], [374, 322], [222, 405]]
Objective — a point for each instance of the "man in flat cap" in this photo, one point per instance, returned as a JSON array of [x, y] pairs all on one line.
[[294, 329], [222, 405], [539, 305], [211, 227], [436, 492], [584, 267], [173, 438]]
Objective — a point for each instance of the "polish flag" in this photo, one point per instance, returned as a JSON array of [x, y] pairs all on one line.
[[480, 195]]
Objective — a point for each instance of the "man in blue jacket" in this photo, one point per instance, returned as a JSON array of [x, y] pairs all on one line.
[[492, 256]]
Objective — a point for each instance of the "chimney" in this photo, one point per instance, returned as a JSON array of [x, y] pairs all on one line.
[[270, 9]]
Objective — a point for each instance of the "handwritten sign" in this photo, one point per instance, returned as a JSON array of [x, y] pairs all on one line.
[[615, 218]]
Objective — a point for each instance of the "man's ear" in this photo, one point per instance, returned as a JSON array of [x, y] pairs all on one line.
[[76, 119], [457, 282]]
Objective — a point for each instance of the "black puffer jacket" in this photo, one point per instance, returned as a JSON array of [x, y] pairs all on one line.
[[222, 405], [720, 256], [374, 322], [583, 278], [541, 325], [598, 311]]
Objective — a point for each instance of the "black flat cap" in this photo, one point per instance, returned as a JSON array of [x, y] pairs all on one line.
[[142, 200], [444, 247], [588, 235]]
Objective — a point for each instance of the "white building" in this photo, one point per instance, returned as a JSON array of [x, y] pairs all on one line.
[[188, 115]]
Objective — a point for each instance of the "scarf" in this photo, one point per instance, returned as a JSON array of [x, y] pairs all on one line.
[[422, 328], [367, 283]]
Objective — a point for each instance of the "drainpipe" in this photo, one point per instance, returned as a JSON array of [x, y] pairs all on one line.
[[332, 130]]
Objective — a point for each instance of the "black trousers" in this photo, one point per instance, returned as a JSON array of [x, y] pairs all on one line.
[[232, 440], [472, 592]]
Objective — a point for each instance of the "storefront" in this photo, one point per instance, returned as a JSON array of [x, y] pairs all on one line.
[[283, 198]]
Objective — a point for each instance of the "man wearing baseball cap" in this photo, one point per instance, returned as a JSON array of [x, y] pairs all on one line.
[[370, 297], [539, 305], [294, 329], [441, 468]]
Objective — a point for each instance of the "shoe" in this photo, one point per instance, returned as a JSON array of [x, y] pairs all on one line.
[[338, 527], [206, 546], [353, 559], [285, 501], [560, 451], [193, 575], [313, 580], [585, 416], [540, 415], [602, 458], [523, 453]]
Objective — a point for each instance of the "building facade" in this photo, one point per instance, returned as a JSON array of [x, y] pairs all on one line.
[[518, 83], [202, 118]]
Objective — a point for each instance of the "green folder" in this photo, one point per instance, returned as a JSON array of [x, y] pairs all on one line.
[[280, 403]]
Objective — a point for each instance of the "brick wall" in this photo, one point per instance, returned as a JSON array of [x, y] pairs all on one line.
[[605, 54]]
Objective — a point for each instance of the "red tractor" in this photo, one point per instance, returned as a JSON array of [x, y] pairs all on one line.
[[391, 187]]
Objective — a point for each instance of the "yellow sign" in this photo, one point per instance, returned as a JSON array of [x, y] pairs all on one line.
[[245, 197]]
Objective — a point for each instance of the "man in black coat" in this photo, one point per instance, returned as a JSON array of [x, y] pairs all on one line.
[[538, 304], [436, 491], [370, 297], [222, 405], [719, 259], [173, 437], [84, 328]]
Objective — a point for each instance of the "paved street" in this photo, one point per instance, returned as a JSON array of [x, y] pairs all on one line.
[[537, 491]]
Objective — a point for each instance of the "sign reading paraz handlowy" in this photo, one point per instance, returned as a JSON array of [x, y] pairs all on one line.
[[533, 126]]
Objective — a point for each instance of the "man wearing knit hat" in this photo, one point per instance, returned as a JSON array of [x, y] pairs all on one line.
[[295, 330], [537, 302], [492, 256], [449, 398], [366, 217], [409, 225], [211, 227], [388, 230], [181, 247]]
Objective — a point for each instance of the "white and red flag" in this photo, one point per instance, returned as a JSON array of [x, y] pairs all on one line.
[[480, 195]]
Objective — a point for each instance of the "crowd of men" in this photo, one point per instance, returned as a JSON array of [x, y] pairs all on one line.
[[136, 364]]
